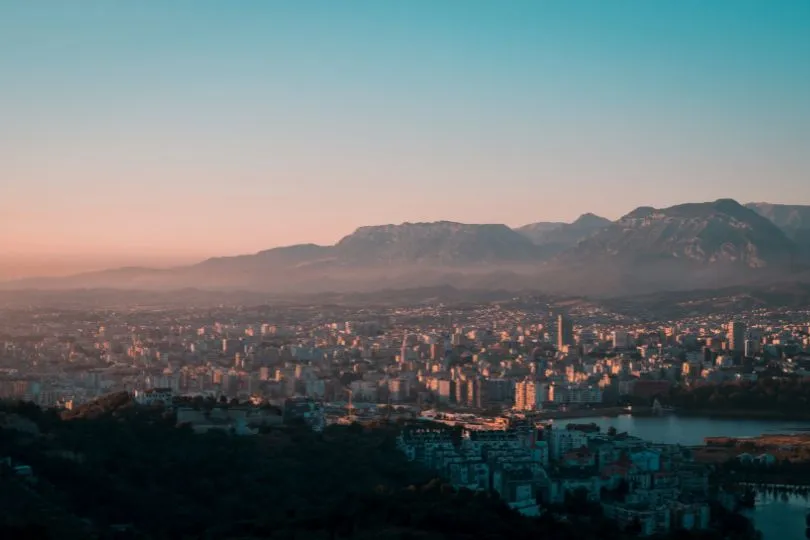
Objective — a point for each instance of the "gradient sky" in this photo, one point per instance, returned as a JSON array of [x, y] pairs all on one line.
[[175, 129]]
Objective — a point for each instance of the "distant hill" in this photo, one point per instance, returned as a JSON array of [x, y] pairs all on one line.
[[564, 236], [719, 232], [793, 219], [728, 300], [442, 242], [683, 247], [536, 231], [687, 246], [788, 217]]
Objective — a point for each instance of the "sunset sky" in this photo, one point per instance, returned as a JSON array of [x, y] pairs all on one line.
[[163, 131]]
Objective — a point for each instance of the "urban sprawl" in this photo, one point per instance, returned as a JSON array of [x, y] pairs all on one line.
[[488, 394]]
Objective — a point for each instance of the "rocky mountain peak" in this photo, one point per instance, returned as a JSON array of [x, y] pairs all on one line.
[[712, 232]]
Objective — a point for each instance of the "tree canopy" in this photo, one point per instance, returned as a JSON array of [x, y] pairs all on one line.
[[118, 470]]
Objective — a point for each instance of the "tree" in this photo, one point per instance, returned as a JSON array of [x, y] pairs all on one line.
[[132, 465]]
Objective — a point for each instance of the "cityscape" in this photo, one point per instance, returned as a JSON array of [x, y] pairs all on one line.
[[404, 270], [516, 354], [494, 396]]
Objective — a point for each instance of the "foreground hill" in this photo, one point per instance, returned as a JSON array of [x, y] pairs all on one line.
[[113, 469]]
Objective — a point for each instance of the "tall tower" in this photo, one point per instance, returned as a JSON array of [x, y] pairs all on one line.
[[524, 395], [403, 351], [736, 336], [565, 331]]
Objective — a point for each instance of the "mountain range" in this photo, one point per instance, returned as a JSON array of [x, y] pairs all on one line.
[[686, 246], [557, 237], [794, 220]]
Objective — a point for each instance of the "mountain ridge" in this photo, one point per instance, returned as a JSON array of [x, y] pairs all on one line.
[[793, 219], [722, 231], [441, 242], [556, 237], [686, 245]]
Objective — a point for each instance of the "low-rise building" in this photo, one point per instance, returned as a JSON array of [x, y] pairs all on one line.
[[154, 395]]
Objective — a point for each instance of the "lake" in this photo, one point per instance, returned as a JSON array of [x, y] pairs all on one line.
[[688, 430], [778, 517]]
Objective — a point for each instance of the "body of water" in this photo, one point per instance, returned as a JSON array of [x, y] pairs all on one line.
[[688, 430], [779, 517]]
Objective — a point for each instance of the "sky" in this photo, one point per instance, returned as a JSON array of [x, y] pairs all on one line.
[[164, 131]]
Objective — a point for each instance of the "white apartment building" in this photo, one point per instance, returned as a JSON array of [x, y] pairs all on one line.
[[562, 441], [562, 394], [154, 395]]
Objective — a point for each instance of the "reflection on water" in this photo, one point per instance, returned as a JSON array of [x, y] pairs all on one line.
[[778, 515], [689, 431]]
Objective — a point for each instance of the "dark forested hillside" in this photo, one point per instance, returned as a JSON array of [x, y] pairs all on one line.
[[783, 398], [116, 470]]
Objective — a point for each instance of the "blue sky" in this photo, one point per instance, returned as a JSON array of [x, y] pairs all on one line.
[[209, 127]]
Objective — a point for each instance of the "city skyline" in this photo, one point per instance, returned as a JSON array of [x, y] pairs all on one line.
[[163, 134]]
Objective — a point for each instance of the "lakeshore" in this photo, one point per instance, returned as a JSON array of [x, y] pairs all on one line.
[[582, 413], [746, 414], [778, 513], [743, 415], [692, 430], [767, 449]]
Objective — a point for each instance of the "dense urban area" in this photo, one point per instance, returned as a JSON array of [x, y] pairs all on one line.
[[483, 395], [357, 270]]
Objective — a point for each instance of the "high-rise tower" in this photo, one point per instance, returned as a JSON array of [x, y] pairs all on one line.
[[736, 336], [565, 332], [403, 351]]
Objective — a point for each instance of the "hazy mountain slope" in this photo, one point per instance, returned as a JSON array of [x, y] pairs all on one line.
[[284, 256], [681, 247], [443, 242], [536, 231], [130, 278], [788, 217], [563, 235], [704, 233], [411, 254], [793, 219], [570, 235]]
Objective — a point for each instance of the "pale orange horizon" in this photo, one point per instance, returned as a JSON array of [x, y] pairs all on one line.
[[155, 133]]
